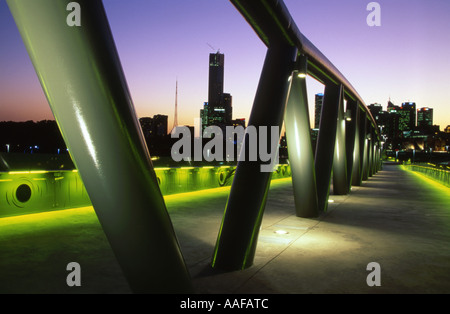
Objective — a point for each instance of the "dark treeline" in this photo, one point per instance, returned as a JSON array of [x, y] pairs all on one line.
[[45, 137], [31, 137]]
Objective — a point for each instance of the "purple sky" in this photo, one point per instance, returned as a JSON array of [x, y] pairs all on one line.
[[405, 59]]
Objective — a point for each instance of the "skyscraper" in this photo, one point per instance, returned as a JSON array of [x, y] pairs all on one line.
[[318, 109], [147, 127], [218, 110], [424, 117], [391, 106], [216, 77], [160, 125], [375, 110], [407, 116], [204, 116], [381, 117], [226, 101]]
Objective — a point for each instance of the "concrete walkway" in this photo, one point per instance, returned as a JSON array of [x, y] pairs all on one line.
[[394, 219]]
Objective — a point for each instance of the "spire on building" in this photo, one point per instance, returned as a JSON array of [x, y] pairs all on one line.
[[175, 119]]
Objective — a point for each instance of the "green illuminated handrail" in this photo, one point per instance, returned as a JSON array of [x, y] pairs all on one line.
[[439, 175]]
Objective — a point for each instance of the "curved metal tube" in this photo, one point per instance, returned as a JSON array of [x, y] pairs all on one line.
[[271, 19], [81, 75]]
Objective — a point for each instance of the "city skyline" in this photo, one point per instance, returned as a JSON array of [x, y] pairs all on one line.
[[160, 43]]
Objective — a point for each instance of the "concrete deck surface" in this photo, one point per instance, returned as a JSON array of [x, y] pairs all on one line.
[[395, 219]]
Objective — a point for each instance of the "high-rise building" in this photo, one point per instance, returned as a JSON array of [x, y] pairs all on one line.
[[204, 116], [391, 106], [146, 125], [375, 110], [226, 101], [318, 109], [156, 126], [407, 116], [424, 117], [160, 124], [216, 78], [392, 120], [155, 134], [381, 118], [218, 110]]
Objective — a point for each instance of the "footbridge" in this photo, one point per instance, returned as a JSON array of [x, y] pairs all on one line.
[[80, 72]]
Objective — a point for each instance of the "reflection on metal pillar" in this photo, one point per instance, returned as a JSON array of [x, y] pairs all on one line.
[[376, 155], [80, 72], [353, 137], [370, 153], [238, 234], [326, 141], [365, 160], [379, 162], [362, 145], [365, 173], [301, 157], [375, 159], [340, 184], [350, 139]]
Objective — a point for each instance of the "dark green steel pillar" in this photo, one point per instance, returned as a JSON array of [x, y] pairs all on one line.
[[358, 155], [375, 152], [81, 75], [326, 141], [350, 137], [340, 184], [365, 174], [370, 152], [238, 234], [365, 164], [363, 144], [301, 157], [377, 158]]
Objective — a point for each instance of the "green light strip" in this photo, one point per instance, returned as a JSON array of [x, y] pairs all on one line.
[[45, 196], [430, 182]]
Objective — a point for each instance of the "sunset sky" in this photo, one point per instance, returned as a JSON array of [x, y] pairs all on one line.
[[159, 42]]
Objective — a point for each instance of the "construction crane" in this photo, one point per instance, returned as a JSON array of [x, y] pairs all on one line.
[[218, 50]]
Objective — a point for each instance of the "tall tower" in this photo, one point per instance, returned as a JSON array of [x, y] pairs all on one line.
[[219, 106], [175, 119], [318, 109], [216, 77], [407, 116], [425, 117]]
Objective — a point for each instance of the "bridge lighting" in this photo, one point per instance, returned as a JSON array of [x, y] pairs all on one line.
[[301, 66], [348, 115]]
